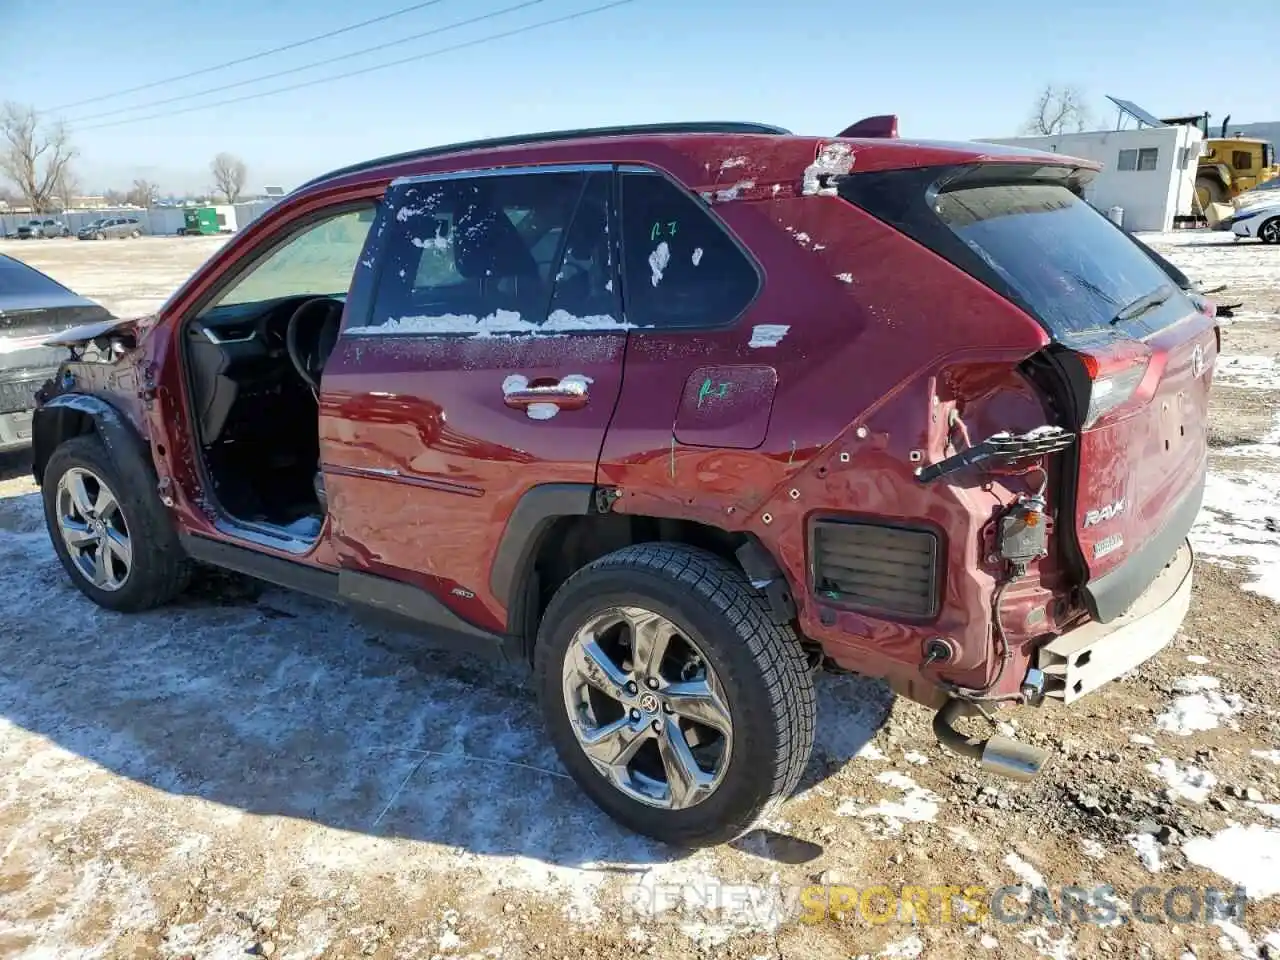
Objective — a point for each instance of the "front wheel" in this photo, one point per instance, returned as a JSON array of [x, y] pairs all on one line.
[[110, 530], [1269, 232], [671, 696]]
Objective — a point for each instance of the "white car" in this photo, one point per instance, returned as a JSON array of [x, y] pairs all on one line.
[[1259, 220]]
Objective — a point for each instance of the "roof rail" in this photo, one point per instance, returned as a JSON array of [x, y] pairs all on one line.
[[585, 133]]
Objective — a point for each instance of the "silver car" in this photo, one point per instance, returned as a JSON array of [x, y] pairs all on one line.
[[111, 227]]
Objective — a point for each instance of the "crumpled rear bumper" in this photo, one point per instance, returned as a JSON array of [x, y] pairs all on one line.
[[1083, 659]]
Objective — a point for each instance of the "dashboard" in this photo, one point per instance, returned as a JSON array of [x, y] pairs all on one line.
[[237, 351]]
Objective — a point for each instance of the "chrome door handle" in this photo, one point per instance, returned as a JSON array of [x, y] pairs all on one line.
[[567, 394]]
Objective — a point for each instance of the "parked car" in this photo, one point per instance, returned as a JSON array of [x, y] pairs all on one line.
[[111, 227], [42, 230], [33, 307], [927, 416], [1259, 221]]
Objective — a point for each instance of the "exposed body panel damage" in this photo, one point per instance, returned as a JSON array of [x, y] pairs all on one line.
[[480, 450]]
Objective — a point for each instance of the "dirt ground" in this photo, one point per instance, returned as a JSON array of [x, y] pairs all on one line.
[[249, 772]]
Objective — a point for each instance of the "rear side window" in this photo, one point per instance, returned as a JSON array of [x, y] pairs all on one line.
[[497, 254], [18, 279], [1066, 262], [682, 269]]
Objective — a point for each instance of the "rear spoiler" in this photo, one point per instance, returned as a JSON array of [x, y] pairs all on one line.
[[883, 127]]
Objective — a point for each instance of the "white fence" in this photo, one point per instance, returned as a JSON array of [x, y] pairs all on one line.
[[158, 221]]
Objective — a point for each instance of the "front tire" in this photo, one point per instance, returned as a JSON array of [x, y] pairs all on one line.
[[109, 529], [1269, 232], [674, 700]]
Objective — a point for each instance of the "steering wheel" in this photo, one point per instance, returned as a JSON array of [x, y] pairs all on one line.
[[309, 362]]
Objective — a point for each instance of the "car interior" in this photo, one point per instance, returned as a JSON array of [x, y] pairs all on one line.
[[254, 373], [255, 357]]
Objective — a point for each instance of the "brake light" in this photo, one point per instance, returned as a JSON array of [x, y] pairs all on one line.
[[1114, 377]]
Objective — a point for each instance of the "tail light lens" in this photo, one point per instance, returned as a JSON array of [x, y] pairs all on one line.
[[1114, 376]]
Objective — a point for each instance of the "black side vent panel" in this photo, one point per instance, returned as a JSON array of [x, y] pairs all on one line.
[[879, 568]]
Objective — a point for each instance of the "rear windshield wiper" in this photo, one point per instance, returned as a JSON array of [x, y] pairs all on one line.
[[1148, 301]]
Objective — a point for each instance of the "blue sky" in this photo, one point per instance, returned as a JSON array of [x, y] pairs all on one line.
[[950, 70]]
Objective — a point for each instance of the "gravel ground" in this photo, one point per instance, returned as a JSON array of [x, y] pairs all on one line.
[[250, 772]]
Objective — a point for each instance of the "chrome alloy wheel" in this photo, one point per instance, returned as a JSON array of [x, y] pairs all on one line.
[[1270, 232], [93, 529], [647, 708]]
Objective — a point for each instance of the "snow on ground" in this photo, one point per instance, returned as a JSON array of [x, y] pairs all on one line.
[[1246, 855], [1254, 372], [247, 758], [1186, 783], [281, 719]]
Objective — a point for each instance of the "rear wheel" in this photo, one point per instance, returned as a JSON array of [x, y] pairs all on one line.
[[672, 697], [1269, 232], [110, 531]]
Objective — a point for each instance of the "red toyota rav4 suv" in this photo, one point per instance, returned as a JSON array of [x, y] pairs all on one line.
[[677, 415]]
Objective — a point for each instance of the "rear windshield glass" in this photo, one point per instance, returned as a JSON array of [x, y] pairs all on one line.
[[1064, 259], [17, 278]]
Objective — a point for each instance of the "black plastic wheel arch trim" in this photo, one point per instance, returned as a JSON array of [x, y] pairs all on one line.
[[538, 508], [59, 420]]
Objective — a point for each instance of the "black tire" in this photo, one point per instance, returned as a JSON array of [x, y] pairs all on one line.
[[760, 665], [1269, 232], [159, 570]]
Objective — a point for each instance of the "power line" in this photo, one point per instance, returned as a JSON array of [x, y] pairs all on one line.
[[307, 66], [253, 56], [355, 73]]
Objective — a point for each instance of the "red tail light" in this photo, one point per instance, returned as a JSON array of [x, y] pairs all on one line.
[[1115, 374]]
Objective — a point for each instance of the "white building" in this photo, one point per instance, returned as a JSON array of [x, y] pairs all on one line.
[[1150, 172]]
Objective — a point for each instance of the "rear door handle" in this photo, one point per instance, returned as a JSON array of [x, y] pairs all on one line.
[[567, 394]]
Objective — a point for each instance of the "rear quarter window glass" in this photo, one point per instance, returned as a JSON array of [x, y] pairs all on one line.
[[681, 268], [1072, 267], [18, 279]]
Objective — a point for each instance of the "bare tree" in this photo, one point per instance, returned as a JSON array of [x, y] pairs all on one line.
[[1058, 109], [33, 155], [114, 198], [67, 187], [229, 175], [143, 193]]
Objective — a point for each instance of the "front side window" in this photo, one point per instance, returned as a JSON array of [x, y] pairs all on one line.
[[504, 254], [682, 269], [319, 260]]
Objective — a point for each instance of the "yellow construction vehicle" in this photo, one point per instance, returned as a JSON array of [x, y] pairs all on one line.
[[1229, 165]]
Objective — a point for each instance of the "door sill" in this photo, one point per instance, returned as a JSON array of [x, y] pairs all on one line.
[[390, 603]]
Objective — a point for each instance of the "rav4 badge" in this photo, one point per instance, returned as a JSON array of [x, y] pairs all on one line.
[[1109, 512]]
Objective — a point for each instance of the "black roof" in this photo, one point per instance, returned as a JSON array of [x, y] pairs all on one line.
[[585, 133]]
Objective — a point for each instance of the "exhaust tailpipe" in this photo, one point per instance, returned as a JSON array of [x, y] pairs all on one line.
[[1001, 755]]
